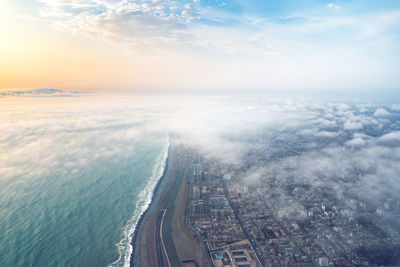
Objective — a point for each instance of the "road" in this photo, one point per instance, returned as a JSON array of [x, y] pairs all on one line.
[[207, 253], [162, 257]]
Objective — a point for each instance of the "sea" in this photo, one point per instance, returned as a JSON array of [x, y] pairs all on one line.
[[76, 174]]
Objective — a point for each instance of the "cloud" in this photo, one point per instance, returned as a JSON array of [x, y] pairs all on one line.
[[353, 125], [332, 5], [221, 46], [62, 130], [259, 140], [327, 134], [356, 122], [63, 149], [363, 109], [395, 107], [284, 151], [327, 123], [380, 112], [137, 23], [165, 22], [390, 137], [355, 142]]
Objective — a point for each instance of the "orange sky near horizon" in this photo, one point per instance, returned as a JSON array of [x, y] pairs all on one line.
[[337, 50], [33, 56]]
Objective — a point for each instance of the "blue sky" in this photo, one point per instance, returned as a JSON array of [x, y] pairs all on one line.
[[259, 44]]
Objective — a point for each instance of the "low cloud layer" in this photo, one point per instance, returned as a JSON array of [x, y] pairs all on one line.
[[352, 152]]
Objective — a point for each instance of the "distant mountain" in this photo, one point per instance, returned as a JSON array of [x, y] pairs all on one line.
[[40, 92]]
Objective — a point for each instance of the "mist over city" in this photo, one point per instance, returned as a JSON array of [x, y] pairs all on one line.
[[168, 133]]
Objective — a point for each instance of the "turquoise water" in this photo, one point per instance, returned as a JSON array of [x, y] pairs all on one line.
[[74, 178]]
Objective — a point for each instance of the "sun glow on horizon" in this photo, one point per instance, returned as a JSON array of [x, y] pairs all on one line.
[[192, 45]]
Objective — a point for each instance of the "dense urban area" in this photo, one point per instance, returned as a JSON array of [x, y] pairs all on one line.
[[284, 219], [246, 226]]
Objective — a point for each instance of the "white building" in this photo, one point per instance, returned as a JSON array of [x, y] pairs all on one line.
[[196, 192]]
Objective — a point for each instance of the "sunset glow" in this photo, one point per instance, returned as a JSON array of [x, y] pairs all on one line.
[[100, 45]]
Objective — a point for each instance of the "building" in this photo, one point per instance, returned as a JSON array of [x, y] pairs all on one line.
[[196, 192], [323, 261]]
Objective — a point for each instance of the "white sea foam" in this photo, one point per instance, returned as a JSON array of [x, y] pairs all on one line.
[[142, 204]]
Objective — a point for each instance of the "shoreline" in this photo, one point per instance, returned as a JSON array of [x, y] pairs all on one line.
[[171, 196], [153, 203]]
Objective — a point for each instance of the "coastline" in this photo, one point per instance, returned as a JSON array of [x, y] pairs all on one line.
[[170, 195], [158, 189], [188, 245]]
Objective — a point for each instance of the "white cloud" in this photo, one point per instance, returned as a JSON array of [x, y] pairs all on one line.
[[353, 125], [339, 50], [327, 134], [332, 5], [327, 123], [140, 23], [343, 109], [395, 107], [68, 136], [393, 136], [380, 112], [355, 142], [363, 109]]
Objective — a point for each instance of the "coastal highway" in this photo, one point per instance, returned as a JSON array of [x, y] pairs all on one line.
[[207, 253], [162, 257]]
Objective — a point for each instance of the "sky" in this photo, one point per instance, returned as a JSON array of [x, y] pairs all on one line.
[[200, 45]]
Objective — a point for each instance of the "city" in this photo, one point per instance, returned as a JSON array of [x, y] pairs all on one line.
[[283, 221]]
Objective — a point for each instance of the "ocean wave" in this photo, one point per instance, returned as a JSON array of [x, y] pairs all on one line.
[[142, 204]]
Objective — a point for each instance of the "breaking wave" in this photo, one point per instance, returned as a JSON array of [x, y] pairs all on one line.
[[142, 204]]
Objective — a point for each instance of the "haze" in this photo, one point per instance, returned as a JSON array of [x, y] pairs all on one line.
[[199, 45]]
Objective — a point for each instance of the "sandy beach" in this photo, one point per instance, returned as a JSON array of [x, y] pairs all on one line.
[[188, 247], [172, 194]]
